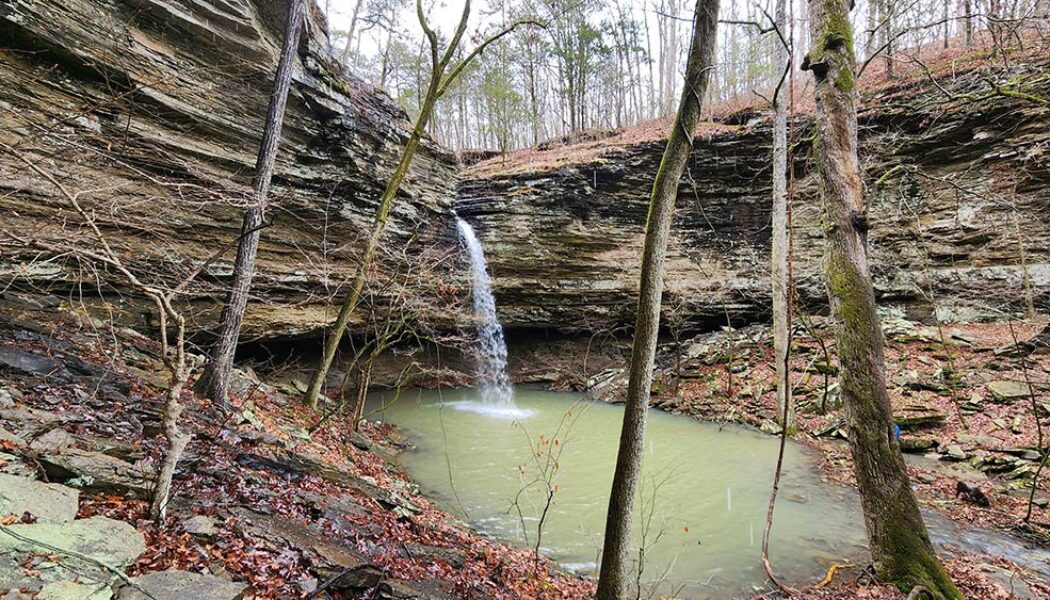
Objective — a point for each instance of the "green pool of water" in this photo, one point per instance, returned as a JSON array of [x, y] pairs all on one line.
[[702, 501]]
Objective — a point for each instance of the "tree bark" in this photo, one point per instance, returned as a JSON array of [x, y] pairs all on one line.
[[616, 552], [900, 545], [780, 275], [1042, 15], [177, 441], [215, 380], [887, 11], [947, 22], [968, 21], [174, 359], [344, 58]]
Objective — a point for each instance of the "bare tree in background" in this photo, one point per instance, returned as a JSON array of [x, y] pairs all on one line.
[[344, 57], [616, 552], [900, 545], [214, 382], [967, 6]]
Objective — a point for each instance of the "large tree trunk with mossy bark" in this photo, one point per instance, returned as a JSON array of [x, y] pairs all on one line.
[[616, 552], [900, 545]]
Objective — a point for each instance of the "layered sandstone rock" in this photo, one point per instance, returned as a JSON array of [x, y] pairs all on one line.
[[961, 217], [154, 108]]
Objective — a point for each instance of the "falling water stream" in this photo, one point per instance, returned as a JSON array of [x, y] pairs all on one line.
[[496, 392]]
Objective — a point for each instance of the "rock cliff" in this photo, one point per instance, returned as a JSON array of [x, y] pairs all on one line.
[[957, 181], [153, 110]]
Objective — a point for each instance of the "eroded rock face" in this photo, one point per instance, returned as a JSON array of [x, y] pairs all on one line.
[[156, 107], [968, 197], [153, 110]]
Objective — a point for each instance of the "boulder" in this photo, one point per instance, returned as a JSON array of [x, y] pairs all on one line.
[[34, 555], [201, 525], [48, 502], [54, 440], [918, 445], [921, 419], [180, 585], [7, 436], [327, 557], [71, 590], [1008, 391], [296, 466], [98, 472], [102, 539], [16, 359]]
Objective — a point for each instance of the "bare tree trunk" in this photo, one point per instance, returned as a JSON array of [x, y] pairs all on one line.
[[177, 441], [947, 22], [616, 552], [870, 42], [781, 283], [1042, 14], [900, 546], [364, 380], [344, 58], [534, 109], [215, 381], [648, 44], [887, 14], [174, 358], [968, 21]]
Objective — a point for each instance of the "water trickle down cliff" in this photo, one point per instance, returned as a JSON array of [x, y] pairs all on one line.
[[492, 347]]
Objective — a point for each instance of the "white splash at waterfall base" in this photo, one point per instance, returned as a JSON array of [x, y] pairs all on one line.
[[496, 392]]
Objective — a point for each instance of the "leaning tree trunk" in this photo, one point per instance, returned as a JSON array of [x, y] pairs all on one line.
[[899, 543], [349, 305], [616, 552], [215, 381], [780, 275]]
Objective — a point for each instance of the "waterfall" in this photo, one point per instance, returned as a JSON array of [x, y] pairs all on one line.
[[492, 348]]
